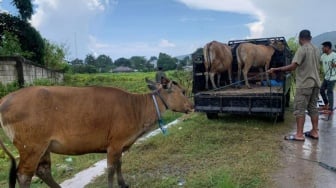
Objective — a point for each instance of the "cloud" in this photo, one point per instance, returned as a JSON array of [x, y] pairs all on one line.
[[129, 49], [237, 6], [164, 43], [68, 21], [277, 17], [287, 17], [89, 26]]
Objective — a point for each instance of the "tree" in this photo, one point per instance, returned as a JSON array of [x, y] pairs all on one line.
[[29, 38], [90, 60], [54, 56], [10, 45], [166, 62], [138, 62], [152, 58], [182, 63], [122, 62], [25, 8], [103, 63], [149, 66], [77, 62], [293, 44]]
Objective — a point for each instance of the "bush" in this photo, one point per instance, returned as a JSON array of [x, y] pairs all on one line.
[[8, 88]]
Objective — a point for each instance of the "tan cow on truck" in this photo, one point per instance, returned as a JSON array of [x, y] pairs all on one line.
[[256, 55], [75, 121], [217, 59]]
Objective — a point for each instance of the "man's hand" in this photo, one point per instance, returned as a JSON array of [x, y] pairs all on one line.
[[273, 70]]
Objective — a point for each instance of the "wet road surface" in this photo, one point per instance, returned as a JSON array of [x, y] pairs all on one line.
[[300, 164]]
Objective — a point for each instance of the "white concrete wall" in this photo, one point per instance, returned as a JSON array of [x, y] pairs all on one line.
[[31, 72]]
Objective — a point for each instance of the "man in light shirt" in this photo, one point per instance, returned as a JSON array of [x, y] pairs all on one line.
[[306, 63], [328, 61]]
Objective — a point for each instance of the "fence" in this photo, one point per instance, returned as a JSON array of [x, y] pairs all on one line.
[[18, 69]]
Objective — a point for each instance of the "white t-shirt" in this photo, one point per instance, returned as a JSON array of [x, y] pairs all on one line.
[[329, 71]]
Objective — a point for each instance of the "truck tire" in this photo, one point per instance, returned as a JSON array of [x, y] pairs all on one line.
[[287, 99], [281, 117], [212, 115]]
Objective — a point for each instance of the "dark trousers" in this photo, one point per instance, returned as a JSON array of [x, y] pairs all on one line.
[[328, 98]]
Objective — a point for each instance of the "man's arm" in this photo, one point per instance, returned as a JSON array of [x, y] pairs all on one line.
[[289, 67]]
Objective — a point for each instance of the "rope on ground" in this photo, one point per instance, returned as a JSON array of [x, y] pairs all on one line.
[[322, 164]]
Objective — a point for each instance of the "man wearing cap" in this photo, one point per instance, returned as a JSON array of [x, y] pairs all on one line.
[[328, 61], [306, 63]]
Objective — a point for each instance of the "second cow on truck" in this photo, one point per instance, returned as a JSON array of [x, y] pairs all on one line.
[[256, 55]]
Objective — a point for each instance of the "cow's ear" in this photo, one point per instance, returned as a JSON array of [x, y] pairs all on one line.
[[151, 85]]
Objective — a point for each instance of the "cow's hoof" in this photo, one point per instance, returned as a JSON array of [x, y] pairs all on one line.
[[124, 186]]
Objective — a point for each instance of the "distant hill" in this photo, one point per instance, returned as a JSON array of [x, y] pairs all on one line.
[[328, 36]]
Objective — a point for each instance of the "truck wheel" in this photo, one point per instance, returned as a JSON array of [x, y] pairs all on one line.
[[281, 117], [212, 115], [287, 99]]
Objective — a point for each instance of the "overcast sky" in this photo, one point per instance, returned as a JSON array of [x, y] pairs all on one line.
[[125, 28]]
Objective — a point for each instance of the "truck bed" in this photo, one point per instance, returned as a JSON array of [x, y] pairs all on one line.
[[256, 90]]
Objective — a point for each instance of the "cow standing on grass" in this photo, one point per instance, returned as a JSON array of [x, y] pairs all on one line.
[[217, 59], [256, 55], [75, 121]]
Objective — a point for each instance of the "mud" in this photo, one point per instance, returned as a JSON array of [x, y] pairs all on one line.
[[303, 162]]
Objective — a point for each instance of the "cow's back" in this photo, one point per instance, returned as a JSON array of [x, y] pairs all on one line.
[[65, 114], [221, 56]]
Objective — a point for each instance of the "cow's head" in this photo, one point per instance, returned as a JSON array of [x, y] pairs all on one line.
[[173, 95], [277, 45]]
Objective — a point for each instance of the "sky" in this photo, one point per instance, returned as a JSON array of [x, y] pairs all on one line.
[[126, 28]]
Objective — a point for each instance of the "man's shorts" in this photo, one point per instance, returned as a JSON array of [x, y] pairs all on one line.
[[306, 99]]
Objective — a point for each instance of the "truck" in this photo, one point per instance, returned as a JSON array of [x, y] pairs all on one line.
[[264, 99]]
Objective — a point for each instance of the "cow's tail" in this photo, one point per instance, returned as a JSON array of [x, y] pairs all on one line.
[[12, 172], [207, 56]]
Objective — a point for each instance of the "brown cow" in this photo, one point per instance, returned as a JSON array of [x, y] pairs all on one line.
[[217, 59], [75, 121], [256, 55]]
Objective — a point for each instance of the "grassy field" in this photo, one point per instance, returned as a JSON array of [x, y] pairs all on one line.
[[233, 151]]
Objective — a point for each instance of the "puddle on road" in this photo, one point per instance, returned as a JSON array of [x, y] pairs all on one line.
[[300, 159]]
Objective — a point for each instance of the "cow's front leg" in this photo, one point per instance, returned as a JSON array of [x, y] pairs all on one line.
[[120, 177], [114, 163]]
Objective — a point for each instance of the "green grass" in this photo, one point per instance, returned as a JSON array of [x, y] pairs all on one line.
[[233, 151], [61, 169]]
